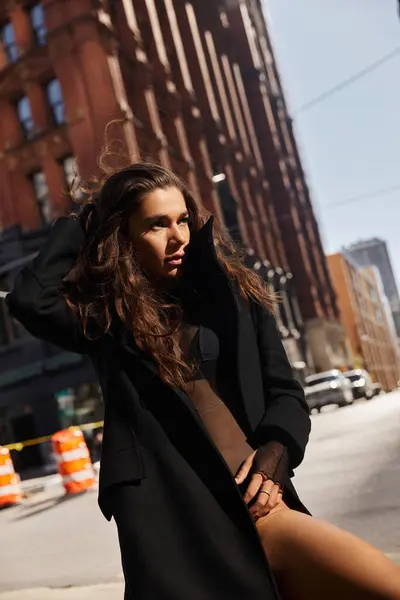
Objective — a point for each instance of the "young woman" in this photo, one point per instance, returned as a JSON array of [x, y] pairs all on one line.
[[204, 422]]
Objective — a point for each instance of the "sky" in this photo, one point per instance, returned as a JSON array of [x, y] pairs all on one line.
[[350, 142]]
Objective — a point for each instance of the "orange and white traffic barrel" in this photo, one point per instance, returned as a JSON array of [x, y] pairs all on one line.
[[10, 487], [73, 460]]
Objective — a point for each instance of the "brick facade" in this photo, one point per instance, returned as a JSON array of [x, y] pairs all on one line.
[[197, 87], [283, 166]]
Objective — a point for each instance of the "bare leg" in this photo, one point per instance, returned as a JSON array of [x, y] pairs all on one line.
[[312, 559]]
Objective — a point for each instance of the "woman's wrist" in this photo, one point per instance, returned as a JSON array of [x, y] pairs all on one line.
[[272, 461]]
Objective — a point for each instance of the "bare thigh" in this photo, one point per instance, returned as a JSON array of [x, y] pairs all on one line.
[[314, 559]]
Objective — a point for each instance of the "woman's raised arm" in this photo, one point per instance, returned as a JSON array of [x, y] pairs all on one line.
[[37, 298]]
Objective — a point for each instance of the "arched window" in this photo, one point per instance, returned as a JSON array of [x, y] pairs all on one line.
[[38, 24], [8, 42]]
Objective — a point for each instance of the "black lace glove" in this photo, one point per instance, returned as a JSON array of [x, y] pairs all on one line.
[[272, 462]]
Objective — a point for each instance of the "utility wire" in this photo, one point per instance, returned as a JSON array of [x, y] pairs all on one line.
[[349, 81], [352, 200], [366, 196]]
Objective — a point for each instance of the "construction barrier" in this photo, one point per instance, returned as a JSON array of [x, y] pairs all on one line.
[[19, 446], [73, 460], [10, 488]]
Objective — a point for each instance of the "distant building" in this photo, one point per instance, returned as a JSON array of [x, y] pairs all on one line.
[[375, 252], [363, 309]]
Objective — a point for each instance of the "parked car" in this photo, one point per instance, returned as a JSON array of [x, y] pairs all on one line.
[[361, 383], [329, 387]]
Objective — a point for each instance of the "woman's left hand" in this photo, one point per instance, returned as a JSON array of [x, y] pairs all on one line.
[[267, 493]]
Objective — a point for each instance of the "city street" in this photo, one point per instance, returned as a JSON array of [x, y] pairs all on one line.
[[351, 476]]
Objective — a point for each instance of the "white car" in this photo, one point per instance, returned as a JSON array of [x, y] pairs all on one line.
[[361, 384], [329, 387]]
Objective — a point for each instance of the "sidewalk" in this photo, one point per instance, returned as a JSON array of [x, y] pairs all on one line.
[[46, 482], [107, 591]]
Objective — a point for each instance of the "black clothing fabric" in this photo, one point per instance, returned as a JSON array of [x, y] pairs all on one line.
[[184, 528], [200, 347]]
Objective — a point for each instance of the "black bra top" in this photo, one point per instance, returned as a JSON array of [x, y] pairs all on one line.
[[204, 352]]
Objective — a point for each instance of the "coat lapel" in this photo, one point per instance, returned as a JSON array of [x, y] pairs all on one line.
[[232, 320], [248, 366]]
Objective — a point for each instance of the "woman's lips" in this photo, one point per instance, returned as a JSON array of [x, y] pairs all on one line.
[[176, 260]]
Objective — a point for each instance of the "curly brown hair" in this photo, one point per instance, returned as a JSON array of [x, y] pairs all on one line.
[[108, 282]]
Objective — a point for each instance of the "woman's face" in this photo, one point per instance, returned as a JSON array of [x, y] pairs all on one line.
[[159, 230]]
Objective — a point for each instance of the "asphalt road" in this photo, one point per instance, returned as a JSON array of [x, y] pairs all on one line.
[[351, 476], [351, 472]]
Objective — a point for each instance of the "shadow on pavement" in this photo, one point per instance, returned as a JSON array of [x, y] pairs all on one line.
[[44, 505]]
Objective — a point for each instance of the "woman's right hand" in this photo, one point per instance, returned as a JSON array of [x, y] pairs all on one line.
[[265, 493]]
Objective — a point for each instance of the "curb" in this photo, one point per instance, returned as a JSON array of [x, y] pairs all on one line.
[[106, 591]]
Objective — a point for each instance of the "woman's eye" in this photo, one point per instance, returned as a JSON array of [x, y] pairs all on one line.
[[184, 220], [156, 226]]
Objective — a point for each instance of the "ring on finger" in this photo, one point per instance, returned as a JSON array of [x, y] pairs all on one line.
[[265, 492]]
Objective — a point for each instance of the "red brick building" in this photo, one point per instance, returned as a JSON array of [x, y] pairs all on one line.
[[288, 188], [197, 86]]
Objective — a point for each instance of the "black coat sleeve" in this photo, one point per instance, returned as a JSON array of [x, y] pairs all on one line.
[[286, 418], [37, 301]]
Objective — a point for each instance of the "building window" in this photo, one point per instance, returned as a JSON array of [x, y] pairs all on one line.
[[72, 179], [38, 24], [8, 41], [25, 116], [372, 293], [42, 195], [54, 96], [70, 170], [81, 405]]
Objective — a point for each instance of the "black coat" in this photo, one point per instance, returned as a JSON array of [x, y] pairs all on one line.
[[188, 534]]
